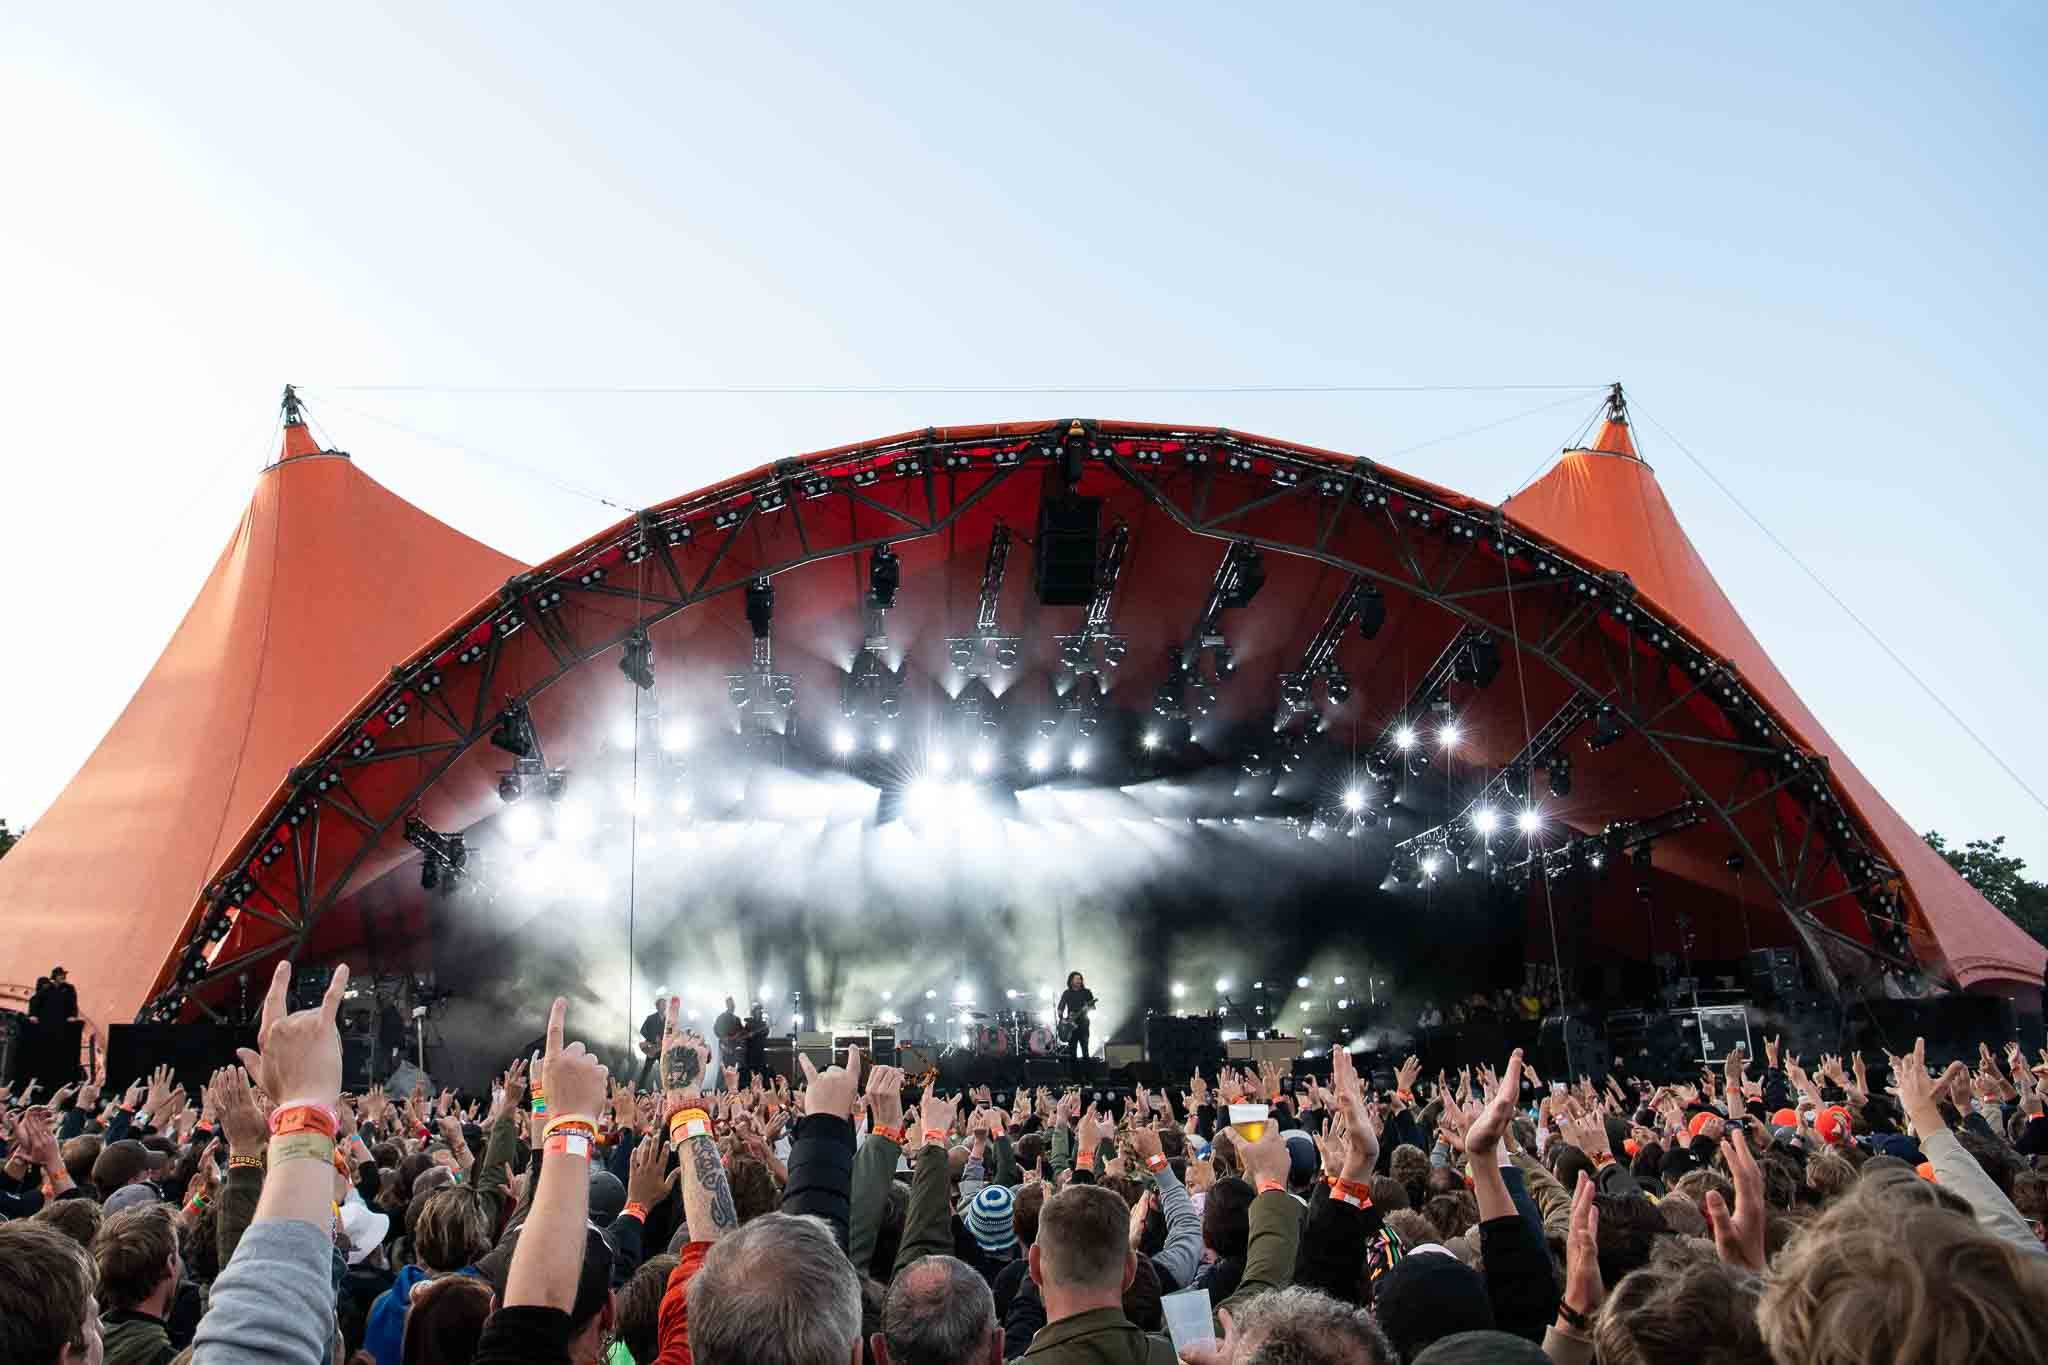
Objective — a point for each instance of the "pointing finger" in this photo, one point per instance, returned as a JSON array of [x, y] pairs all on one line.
[[330, 1004], [274, 999], [556, 1013]]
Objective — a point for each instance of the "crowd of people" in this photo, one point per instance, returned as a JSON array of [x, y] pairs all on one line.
[[1767, 1213]]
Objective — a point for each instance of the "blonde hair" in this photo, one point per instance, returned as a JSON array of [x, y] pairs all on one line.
[[1889, 1274]]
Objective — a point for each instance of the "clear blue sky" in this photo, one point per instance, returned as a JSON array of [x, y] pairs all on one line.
[[1810, 243]]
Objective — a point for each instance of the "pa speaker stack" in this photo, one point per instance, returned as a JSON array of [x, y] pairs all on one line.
[[1774, 973], [1567, 1048], [1063, 564]]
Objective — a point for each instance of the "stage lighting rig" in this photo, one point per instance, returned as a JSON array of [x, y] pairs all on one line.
[[444, 858], [1478, 664], [1560, 776], [885, 576], [764, 695], [514, 731], [1096, 648], [987, 649], [636, 661], [1606, 728]]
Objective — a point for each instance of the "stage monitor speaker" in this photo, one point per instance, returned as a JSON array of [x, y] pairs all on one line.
[[1564, 1048], [1063, 559], [1046, 1071], [192, 1051], [358, 1063], [12, 1023]]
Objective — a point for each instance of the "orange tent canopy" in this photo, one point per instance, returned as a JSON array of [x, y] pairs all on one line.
[[328, 581], [1605, 504]]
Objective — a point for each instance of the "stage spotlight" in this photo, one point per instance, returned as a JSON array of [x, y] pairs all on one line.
[[1179, 989], [1447, 734], [1606, 728], [1078, 759], [514, 731], [1222, 984], [842, 741], [675, 736], [767, 991], [1486, 820], [555, 783], [1529, 821], [1010, 995], [1150, 739], [1596, 859], [1372, 611], [1302, 982], [522, 825], [509, 787], [1337, 980], [1560, 776], [982, 759], [1431, 865], [1338, 688], [1354, 800], [430, 875], [939, 761], [1404, 737], [931, 1018], [637, 662], [931, 995], [886, 741], [1479, 665], [960, 653], [1040, 759]]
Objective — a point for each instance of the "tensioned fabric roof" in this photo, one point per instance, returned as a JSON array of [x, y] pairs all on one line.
[[283, 670], [1606, 504], [327, 582]]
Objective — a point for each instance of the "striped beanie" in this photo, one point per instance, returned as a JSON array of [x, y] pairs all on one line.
[[990, 1217]]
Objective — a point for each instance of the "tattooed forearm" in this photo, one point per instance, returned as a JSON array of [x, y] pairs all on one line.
[[710, 1178]]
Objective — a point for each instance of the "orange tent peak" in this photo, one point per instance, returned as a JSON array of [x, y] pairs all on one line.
[[1615, 438], [298, 437]]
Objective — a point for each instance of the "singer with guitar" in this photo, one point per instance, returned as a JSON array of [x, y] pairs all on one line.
[[1075, 1003], [650, 1039]]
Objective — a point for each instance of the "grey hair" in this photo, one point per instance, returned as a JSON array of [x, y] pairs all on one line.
[[939, 1312], [775, 1291], [1285, 1326]]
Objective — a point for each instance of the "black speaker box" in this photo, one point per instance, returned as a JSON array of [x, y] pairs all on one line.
[[193, 1052], [1063, 561]]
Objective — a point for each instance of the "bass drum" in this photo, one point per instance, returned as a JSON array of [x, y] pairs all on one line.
[[1040, 1042]]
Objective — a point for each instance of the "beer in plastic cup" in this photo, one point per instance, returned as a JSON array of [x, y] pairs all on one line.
[[1249, 1119]]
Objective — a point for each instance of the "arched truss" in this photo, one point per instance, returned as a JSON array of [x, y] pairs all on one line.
[[338, 820]]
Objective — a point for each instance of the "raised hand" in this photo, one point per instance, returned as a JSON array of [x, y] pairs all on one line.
[[1088, 1132], [576, 1081], [647, 1183], [1362, 1149], [1482, 1139], [234, 1102], [1736, 1065], [1266, 1159], [1739, 1236], [831, 1091], [935, 1114], [1584, 1291], [298, 1053], [1404, 1079], [885, 1097]]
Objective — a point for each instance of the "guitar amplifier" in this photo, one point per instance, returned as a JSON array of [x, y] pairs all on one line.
[[881, 1044], [1256, 1050]]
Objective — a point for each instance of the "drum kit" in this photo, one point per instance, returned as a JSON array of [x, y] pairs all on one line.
[[1004, 1033]]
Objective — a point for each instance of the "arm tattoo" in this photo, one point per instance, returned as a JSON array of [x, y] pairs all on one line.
[[710, 1173]]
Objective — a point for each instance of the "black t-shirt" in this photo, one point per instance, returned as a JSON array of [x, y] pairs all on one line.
[[54, 1001], [1074, 1001], [652, 1026], [725, 1026]]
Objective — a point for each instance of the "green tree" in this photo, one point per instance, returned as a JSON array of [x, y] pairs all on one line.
[[2002, 878], [8, 838]]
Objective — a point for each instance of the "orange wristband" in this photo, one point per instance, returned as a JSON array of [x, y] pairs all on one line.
[[1084, 1161], [1265, 1185], [304, 1118], [1156, 1162], [894, 1135], [634, 1210]]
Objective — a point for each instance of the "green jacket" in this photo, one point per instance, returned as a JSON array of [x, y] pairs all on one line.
[[1276, 1219], [874, 1170], [238, 1196], [135, 1339], [928, 1225], [1103, 1336]]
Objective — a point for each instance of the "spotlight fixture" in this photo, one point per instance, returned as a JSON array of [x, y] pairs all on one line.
[[1040, 758], [510, 788], [1179, 989], [1302, 982], [1606, 728], [1354, 799], [1447, 734], [1404, 737], [886, 741], [1479, 665], [939, 760], [982, 759], [1222, 984], [637, 661], [842, 741], [1560, 776], [514, 731], [1431, 865], [1150, 740], [1485, 821], [1514, 781], [1530, 820], [1078, 759]]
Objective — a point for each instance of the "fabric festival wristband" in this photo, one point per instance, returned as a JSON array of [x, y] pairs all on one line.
[[1156, 1162], [1603, 1161], [580, 1122], [894, 1135], [301, 1147], [1084, 1161], [1266, 1185], [248, 1162], [568, 1144], [304, 1118], [634, 1210]]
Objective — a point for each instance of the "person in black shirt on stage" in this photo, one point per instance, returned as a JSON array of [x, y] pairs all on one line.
[[650, 1039], [1075, 1003], [55, 1000]]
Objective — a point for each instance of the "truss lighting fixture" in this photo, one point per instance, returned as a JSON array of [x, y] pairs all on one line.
[[1530, 821], [982, 759], [1040, 758], [1354, 799], [1222, 984], [843, 741], [510, 788], [886, 741], [1431, 864], [1485, 821], [1514, 780], [1447, 734], [1560, 777], [1079, 758], [1302, 982], [1479, 665], [1150, 740], [1179, 989], [514, 731], [1606, 728], [1337, 687], [1404, 737], [637, 661]]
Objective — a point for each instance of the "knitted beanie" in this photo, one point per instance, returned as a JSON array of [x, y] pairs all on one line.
[[991, 1218]]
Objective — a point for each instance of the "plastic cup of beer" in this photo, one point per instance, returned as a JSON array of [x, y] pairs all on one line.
[[1249, 1119]]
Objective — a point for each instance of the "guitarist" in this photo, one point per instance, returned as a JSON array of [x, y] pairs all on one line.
[[1075, 1003], [731, 1032], [650, 1039]]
